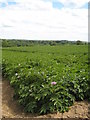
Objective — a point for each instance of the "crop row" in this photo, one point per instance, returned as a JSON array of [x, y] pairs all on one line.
[[45, 86]]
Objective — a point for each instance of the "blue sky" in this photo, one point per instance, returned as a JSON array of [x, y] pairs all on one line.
[[57, 5], [44, 19], [3, 5], [8, 3], [85, 6], [11, 3]]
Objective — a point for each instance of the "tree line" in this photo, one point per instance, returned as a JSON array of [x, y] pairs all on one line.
[[18, 43]]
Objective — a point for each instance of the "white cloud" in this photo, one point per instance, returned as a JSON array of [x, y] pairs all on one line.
[[37, 19]]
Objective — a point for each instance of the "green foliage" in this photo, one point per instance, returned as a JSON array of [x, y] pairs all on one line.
[[31, 71], [19, 43], [79, 42]]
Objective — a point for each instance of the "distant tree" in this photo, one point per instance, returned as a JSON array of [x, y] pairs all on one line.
[[85, 43], [5, 43], [52, 43], [78, 42]]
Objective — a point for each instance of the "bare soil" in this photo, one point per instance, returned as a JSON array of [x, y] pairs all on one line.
[[11, 108]]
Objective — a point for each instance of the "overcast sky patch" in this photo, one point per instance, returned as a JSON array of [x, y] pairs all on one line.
[[44, 19]]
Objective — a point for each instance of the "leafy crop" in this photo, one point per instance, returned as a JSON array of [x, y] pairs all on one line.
[[49, 79]]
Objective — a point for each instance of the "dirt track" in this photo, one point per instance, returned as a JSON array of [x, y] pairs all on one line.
[[11, 109]]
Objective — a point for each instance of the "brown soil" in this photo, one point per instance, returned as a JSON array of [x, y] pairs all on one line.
[[11, 109]]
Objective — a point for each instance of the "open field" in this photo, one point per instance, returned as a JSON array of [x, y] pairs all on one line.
[[47, 78]]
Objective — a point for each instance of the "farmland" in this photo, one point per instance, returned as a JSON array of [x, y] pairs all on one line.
[[47, 78]]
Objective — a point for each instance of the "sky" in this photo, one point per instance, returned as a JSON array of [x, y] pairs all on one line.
[[44, 19]]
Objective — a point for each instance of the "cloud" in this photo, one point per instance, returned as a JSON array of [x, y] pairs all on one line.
[[38, 19]]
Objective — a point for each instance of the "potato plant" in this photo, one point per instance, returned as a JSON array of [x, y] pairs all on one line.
[[47, 79]]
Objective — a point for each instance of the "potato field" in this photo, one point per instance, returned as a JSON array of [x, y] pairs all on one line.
[[46, 78]]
